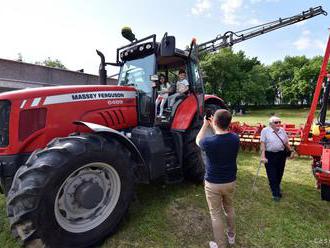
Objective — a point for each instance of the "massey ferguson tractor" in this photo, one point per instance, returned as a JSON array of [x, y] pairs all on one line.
[[71, 156]]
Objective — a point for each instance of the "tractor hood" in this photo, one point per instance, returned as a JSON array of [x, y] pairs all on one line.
[[76, 92], [30, 118]]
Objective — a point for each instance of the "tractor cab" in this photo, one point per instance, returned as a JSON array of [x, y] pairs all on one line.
[[142, 61]]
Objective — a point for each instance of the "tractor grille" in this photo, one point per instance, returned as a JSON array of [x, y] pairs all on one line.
[[113, 118], [4, 122]]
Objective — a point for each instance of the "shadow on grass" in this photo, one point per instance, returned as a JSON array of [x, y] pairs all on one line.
[[165, 216]]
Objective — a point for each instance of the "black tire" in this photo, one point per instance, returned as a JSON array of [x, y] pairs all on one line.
[[193, 164], [39, 184], [193, 161], [211, 108], [325, 192]]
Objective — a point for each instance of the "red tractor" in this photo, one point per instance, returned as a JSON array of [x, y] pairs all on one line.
[[70, 156]]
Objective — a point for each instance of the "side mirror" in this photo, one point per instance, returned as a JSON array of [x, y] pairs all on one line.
[[167, 46]]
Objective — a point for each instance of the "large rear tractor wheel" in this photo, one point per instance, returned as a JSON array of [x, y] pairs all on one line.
[[193, 157], [325, 192], [193, 164], [73, 193]]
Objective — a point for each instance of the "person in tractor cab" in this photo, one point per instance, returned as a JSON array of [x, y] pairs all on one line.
[[162, 94], [182, 87], [274, 144]]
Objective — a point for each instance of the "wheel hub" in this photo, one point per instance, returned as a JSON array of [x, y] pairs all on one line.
[[89, 195]]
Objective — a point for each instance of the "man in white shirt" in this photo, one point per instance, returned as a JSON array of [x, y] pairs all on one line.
[[274, 141], [182, 86]]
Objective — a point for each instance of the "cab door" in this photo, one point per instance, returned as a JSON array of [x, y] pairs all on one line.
[[197, 85]]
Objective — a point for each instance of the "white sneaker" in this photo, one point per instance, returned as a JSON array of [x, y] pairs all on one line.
[[231, 240], [213, 244]]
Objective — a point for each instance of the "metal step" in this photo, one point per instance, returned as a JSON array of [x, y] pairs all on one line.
[[174, 172]]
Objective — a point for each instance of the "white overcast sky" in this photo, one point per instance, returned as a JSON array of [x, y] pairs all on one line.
[[71, 30]]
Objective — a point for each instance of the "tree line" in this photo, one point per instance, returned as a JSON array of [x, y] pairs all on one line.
[[242, 81], [55, 63]]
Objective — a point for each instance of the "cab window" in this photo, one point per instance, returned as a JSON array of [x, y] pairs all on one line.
[[137, 73]]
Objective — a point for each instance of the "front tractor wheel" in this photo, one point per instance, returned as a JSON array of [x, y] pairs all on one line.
[[73, 193]]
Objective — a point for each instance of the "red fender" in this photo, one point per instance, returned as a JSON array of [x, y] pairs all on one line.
[[185, 113], [188, 108]]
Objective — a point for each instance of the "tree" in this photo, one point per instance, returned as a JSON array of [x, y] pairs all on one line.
[[295, 78], [239, 79], [55, 63], [290, 86], [259, 88], [306, 78], [236, 78], [19, 57]]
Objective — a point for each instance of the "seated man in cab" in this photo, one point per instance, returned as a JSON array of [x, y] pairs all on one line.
[[182, 87]]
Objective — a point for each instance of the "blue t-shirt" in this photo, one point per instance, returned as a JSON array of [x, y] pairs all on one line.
[[221, 153]]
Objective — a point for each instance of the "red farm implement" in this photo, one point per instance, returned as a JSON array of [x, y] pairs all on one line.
[[250, 134], [317, 142]]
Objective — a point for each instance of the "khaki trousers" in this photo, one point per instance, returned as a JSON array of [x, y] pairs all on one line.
[[220, 199]]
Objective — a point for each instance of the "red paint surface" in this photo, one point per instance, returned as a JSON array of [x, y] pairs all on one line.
[[60, 117]]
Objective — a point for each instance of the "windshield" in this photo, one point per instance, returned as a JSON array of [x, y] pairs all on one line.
[[137, 73]]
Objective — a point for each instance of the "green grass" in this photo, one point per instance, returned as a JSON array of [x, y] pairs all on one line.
[[5, 239], [177, 215], [292, 116]]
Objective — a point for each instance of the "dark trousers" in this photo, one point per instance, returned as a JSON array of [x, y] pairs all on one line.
[[275, 170]]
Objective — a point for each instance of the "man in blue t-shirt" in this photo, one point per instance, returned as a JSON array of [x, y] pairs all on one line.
[[221, 151]]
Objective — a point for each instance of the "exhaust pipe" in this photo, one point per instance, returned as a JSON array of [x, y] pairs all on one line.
[[102, 70]]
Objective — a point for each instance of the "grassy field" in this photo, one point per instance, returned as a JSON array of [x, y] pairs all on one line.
[[292, 116], [177, 215]]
